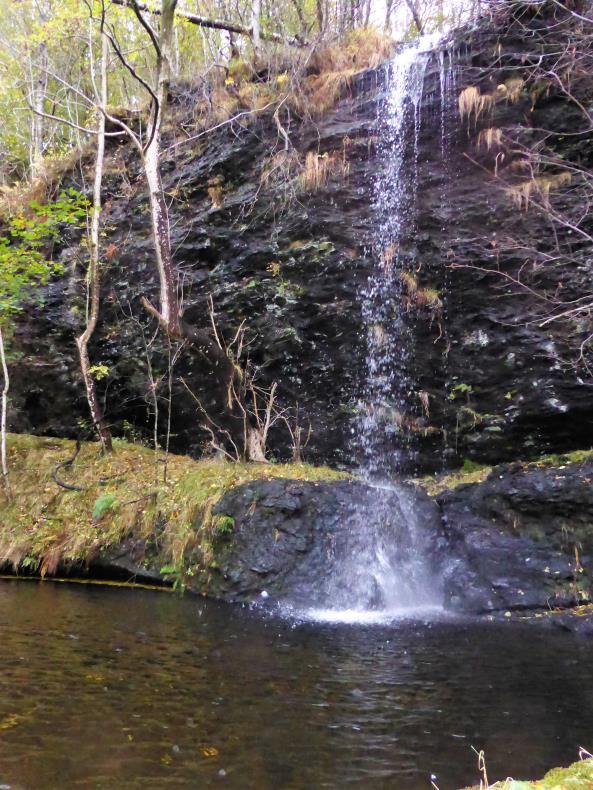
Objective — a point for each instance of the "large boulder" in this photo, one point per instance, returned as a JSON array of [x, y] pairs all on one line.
[[521, 540], [339, 544]]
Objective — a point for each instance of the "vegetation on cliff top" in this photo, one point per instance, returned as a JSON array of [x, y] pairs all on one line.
[[471, 472], [114, 497]]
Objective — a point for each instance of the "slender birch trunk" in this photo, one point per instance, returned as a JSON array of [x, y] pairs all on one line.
[[39, 80], [256, 24], [413, 9], [168, 312], [5, 389], [94, 273]]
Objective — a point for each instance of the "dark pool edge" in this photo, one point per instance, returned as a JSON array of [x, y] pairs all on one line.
[[89, 581]]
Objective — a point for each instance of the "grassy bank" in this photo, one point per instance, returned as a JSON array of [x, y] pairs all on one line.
[[133, 494], [578, 776]]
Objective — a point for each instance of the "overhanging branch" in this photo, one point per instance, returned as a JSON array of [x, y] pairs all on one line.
[[215, 24]]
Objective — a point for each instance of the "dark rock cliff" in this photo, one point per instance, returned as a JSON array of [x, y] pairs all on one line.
[[291, 262]]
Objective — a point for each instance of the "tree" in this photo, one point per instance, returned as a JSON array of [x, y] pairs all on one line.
[[94, 271], [168, 313], [24, 265]]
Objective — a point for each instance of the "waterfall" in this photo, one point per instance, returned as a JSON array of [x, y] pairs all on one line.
[[387, 408], [382, 567]]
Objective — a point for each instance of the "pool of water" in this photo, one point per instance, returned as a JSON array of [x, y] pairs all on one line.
[[110, 688]]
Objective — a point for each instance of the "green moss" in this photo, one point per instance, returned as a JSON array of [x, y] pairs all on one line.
[[559, 459], [472, 472], [240, 71], [578, 776], [122, 496], [434, 485], [223, 525]]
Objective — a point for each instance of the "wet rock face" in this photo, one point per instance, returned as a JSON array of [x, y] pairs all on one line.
[[489, 383], [287, 260], [306, 543], [523, 539]]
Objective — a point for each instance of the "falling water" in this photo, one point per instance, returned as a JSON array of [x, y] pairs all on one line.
[[387, 408], [382, 568], [381, 564]]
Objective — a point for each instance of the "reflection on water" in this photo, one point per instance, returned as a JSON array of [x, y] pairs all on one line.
[[105, 688]]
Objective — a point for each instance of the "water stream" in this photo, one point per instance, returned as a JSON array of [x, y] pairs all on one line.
[[387, 408]]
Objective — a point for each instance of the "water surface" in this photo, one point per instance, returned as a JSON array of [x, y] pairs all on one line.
[[107, 688]]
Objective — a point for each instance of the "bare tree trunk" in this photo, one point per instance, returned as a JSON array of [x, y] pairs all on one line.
[[38, 93], [367, 12], [388, 9], [255, 24], [415, 15], [94, 273], [5, 390], [214, 24], [255, 449], [320, 15], [168, 312]]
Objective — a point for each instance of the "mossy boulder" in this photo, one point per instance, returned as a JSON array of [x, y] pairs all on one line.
[[521, 539]]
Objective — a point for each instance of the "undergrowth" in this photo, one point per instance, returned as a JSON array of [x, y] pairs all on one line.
[[304, 83], [123, 497]]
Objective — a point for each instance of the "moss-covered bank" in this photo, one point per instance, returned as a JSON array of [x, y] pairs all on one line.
[[158, 505], [471, 472], [578, 776]]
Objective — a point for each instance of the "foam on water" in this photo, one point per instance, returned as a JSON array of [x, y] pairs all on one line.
[[371, 616]]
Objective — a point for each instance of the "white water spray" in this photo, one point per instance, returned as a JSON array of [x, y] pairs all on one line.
[[384, 570], [378, 569], [386, 410]]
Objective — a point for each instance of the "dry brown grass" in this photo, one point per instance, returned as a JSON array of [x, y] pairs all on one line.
[[16, 199], [417, 297], [319, 168], [512, 89], [309, 84], [474, 103], [490, 138], [332, 68], [538, 188], [360, 49]]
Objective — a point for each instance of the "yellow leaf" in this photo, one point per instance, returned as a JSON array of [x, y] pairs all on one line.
[[10, 721]]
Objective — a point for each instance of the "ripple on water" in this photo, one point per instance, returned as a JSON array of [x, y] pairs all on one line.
[[161, 692]]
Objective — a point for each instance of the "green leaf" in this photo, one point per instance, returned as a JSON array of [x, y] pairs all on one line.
[[103, 504]]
